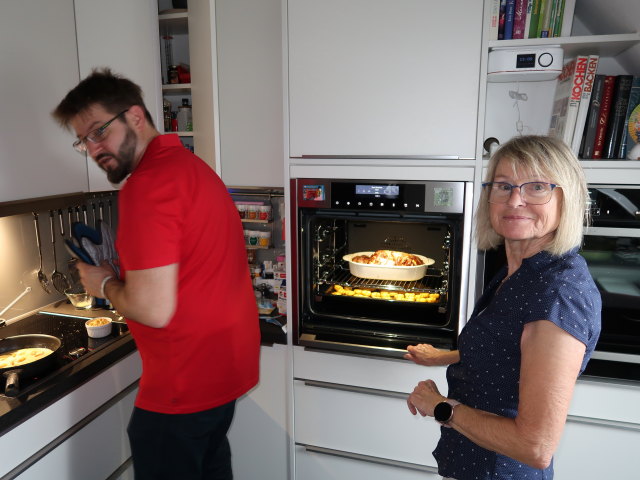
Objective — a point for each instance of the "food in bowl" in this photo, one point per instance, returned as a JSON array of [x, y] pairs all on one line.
[[389, 257], [79, 298], [99, 327], [389, 271]]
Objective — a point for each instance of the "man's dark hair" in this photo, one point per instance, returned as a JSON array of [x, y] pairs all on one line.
[[102, 87]]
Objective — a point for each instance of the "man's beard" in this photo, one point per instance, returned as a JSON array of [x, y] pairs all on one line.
[[124, 159]]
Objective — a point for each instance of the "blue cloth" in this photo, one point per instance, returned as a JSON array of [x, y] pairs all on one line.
[[545, 287]]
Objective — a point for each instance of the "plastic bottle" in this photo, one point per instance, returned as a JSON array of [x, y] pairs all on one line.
[[184, 116]]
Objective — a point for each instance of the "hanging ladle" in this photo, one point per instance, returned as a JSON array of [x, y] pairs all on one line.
[[58, 279], [42, 278]]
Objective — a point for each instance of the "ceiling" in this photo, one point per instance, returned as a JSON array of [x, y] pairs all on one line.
[[613, 16]]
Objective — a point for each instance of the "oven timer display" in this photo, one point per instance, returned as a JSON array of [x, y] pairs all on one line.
[[442, 197], [388, 191]]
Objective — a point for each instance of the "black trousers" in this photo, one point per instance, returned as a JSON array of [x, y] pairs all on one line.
[[192, 446]]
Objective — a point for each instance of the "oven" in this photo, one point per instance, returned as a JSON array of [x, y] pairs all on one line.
[[611, 247], [337, 309]]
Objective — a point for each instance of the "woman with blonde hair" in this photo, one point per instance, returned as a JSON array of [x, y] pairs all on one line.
[[532, 331]]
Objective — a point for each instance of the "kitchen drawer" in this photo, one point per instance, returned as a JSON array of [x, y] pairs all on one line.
[[363, 421], [364, 371], [320, 464], [607, 399]]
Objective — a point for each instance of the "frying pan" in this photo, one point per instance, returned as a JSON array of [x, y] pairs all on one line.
[[31, 369]]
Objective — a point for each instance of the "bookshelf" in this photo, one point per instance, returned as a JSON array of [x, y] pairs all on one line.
[[501, 113]]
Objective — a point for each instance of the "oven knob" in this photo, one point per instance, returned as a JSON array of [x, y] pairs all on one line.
[[348, 203], [359, 204], [382, 204], [337, 202], [77, 353], [371, 204]]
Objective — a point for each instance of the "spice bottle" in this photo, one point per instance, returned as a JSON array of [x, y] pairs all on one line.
[[172, 74]]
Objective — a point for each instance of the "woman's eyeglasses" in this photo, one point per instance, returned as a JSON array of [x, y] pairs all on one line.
[[533, 193]]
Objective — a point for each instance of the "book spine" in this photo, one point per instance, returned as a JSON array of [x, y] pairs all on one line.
[[567, 18], [552, 16], [603, 117], [592, 117], [574, 97], [527, 22], [494, 20], [585, 97], [508, 19], [616, 116], [501, 19], [543, 23], [519, 18], [557, 19], [535, 17], [630, 119]]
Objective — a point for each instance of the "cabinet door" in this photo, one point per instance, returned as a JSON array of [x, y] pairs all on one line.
[[121, 35], [258, 435], [313, 465], [39, 65], [249, 46], [593, 452], [94, 452], [384, 77]]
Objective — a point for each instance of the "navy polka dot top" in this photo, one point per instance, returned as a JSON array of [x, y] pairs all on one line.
[[545, 287]]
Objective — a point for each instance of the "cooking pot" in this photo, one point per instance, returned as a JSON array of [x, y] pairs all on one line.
[[31, 369]]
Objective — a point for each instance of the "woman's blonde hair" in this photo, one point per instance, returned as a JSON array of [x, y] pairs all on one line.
[[547, 157]]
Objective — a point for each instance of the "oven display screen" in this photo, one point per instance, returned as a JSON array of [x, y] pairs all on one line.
[[526, 60], [378, 190]]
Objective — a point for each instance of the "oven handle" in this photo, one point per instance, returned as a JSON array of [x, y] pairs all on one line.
[[367, 458], [603, 422], [613, 232], [351, 388]]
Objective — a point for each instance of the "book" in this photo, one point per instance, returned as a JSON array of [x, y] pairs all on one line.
[[535, 16], [527, 22], [567, 98], [543, 22], [603, 116], [519, 18], [501, 19], [585, 98], [567, 18], [591, 124], [631, 127], [552, 16], [616, 116], [557, 19], [494, 19], [508, 19]]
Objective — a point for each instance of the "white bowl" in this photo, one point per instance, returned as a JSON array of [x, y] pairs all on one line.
[[99, 327], [387, 272]]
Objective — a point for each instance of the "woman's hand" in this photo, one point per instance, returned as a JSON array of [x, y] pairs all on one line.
[[429, 356], [91, 276], [424, 398]]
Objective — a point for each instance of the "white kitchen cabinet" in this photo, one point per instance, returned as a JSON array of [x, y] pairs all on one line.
[[39, 65], [249, 56], [258, 436], [383, 78], [354, 407], [121, 35], [318, 464], [92, 453]]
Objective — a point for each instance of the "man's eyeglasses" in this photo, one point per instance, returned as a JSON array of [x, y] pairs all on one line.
[[533, 193], [95, 136]]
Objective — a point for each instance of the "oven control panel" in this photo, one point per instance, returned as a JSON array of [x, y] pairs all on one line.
[[369, 195]]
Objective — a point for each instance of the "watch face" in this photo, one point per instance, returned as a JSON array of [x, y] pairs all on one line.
[[443, 412]]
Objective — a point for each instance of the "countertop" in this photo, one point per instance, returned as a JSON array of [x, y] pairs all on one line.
[[15, 410]]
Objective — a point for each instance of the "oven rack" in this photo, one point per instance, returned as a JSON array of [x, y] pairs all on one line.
[[427, 284]]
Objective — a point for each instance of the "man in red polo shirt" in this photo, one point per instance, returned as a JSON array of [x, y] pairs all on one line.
[[184, 286]]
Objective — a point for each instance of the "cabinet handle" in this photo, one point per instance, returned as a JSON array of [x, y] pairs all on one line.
[[383, 157], [352, 388], [367, 458], [604, 423], [612, 232]]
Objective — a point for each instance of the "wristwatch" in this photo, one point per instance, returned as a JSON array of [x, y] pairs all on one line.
[[443, 411]]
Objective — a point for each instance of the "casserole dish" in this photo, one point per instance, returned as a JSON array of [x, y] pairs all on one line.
[[387, 272]]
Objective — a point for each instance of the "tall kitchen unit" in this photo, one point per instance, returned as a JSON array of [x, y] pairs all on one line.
[[377, 92]]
